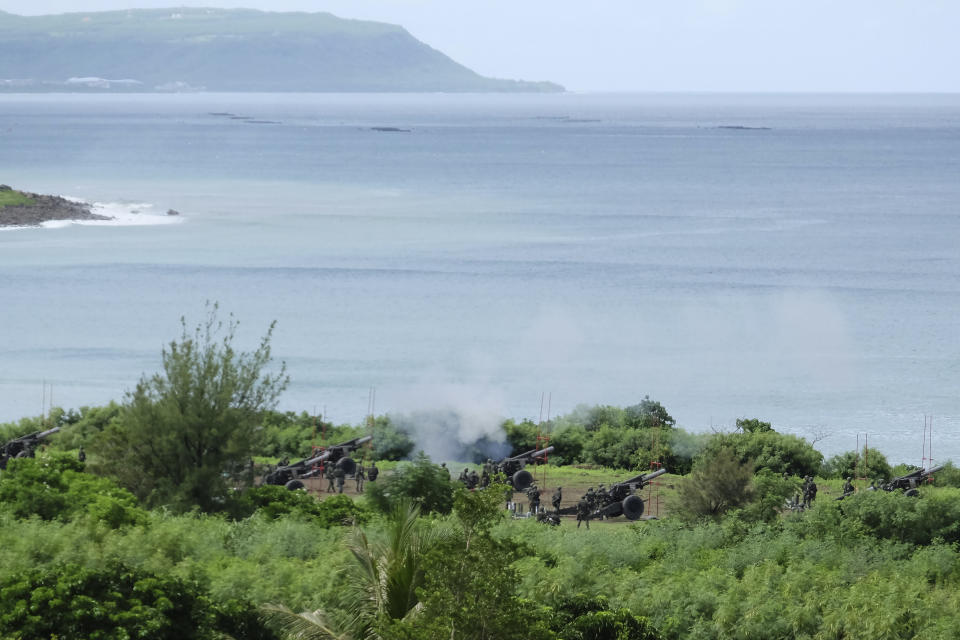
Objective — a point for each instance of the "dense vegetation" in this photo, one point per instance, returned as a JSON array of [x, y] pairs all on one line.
[[89, 550]]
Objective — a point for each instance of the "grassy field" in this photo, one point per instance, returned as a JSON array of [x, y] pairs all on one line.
[[13, 198]]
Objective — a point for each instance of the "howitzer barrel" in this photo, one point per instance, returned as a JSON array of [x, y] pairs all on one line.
[[48, 432], [541, 452], [349, 445], [529, 454], [644, 478], [934, 470]]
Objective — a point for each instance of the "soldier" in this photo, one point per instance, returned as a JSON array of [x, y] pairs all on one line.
[[488, 467], [338, 475], [590, 497], [443, 465], [328, 474], [485, 478], [583, 512], [474, 480], [809, 492], [359, 476], [464, 476], [82, 456], [285, 462], [557, 498], [848, 487], [534, 494], [373, 472]]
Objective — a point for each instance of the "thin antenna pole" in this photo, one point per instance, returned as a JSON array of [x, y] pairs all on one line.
[[43, 401], [923, 456], [930, 435]]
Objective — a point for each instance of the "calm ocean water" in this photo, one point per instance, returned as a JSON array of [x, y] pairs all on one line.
[[804, 269]]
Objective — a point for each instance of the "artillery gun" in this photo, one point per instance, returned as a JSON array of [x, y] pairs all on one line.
[[515, 468], [909, 482], [290, 475], [24, 446], [620, 499]]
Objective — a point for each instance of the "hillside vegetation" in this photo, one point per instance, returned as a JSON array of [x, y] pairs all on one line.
[[225, 50]]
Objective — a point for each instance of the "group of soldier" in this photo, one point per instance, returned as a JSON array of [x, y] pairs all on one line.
[[482, 480], [337, 476]]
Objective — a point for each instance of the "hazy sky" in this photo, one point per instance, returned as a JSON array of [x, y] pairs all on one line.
[[662, 45]]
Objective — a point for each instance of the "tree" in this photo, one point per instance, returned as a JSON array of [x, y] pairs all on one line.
[[778, 452], [183, 431], [868, 463], [753, 425], [648, 414], [717, 484]]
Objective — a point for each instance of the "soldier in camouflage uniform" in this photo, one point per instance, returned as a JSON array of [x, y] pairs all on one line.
[[338, 475], [328, 474], [359, 476], [557, 498], [533, 493], [583, 512]]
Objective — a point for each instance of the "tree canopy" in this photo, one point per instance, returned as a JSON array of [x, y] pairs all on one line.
[[185, 432]]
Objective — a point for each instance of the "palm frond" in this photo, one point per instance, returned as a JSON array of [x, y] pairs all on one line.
[[299, 626]]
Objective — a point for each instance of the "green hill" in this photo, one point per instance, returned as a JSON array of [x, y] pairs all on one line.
[[225, 50]]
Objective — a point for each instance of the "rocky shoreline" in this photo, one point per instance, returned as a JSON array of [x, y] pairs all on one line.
[[44, 209]]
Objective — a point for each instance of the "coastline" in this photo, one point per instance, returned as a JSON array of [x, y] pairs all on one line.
[[33, 211], [41, 209]]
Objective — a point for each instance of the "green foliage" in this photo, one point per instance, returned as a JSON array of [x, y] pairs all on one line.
[[616, 448], [753, 425], [81, 427], [390, 440], [647, 414], [949, 476], [425, 484], [778, 452], [113, 602], [271, 501], [13, 198], [470, 584], [182, 431], [54, 486], [895, 516], [521, 436], [869, 463], [770, 492], [583, 617], [717, 484], [568, 443]]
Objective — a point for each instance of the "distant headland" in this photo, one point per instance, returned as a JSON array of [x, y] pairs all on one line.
[[191, 49]]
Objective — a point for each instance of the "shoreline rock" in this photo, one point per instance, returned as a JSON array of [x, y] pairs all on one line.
[[45, 209]]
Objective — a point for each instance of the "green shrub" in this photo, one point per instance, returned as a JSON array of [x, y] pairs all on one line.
[[273, 501], [54, 486], [717, 484], [869, 463], [895, 516], [115, 602], [778, 452], [426, 484]]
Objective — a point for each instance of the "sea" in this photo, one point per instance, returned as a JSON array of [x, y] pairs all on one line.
[[793, 258]]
